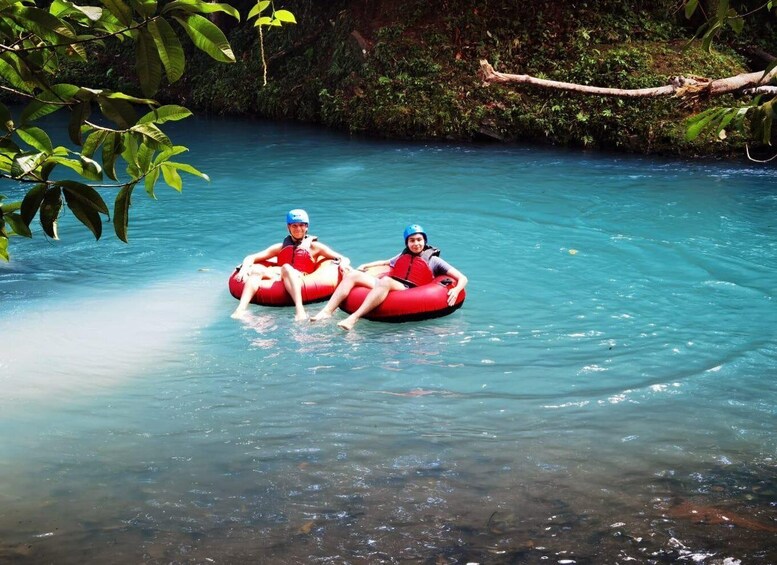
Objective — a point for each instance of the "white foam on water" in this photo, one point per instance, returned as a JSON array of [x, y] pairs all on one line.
[[57, 350]]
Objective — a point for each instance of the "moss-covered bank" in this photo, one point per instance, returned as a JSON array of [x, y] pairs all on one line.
[[409, 69]]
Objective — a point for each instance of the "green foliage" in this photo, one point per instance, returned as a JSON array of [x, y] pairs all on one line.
[[35, 44], [754, 119]]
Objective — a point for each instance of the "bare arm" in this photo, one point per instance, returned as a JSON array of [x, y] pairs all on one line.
[[461, 282], [327, 252], [378, 263], [268, 253], [250, 260]]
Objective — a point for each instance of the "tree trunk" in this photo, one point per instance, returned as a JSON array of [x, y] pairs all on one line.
[[678, 86]]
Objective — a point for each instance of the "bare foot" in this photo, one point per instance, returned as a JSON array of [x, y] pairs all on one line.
[[320, 316], [238, 314], [300, 316], [346, 324]]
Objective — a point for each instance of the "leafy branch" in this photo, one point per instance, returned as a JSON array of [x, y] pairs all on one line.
[[33, 44]]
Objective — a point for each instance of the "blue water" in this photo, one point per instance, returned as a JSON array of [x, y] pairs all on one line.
[[606, 393]]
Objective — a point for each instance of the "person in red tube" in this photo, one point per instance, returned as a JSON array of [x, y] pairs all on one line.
[[417, 264], [297, 255]]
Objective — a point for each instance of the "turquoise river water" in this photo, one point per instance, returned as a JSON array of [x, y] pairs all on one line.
[[607, 393]]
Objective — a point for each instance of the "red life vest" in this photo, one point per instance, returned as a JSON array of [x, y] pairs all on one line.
[[297, 254], [414, 269]]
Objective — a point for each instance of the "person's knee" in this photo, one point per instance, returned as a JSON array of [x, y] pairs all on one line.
[[354, 277], [287, 271]]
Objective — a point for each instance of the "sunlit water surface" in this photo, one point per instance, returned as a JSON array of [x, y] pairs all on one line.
[[606, 394]]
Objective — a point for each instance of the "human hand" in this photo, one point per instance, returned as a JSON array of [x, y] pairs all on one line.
[[242, 272], [453, 294]]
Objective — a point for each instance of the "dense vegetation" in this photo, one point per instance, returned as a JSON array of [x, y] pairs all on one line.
[[405, 69], [409, 70]]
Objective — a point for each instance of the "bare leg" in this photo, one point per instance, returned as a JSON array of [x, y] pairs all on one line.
[[352, 279], [249, 289], [292, 280], [373, 299]]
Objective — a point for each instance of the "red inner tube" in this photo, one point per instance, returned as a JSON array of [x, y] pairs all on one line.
[[417, 303], [316, 286]]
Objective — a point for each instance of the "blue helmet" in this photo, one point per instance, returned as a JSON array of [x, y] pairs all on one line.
[[297, 216], [412, 230]]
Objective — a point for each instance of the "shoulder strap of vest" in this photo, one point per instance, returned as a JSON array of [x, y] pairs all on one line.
[[426, 254], [430, 252], [307, 240]]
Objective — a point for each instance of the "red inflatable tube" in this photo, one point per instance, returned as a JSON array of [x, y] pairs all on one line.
[[317, 286], [418, 303]]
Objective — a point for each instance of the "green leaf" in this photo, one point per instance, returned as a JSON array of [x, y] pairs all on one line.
[[690, 8], [84, 14], [145, 153], [17, 224], [43, 24], [145, 8], [207, 37], [699, 122], [26, 163], [49, 211], [84, 166], [4, 249], [130, 154], [199, 7], [121, 211], [128, 98], [185, 167], [168, 113], [93, 142], [727, 117], [36, 138], [56, 98], [111, 151], [266, 21], [9, 207], [171, 176], [151, 131], [722, 9], [258, 8], [119, 112], [119, 9], [736, 23], [91, 169], [11, 70], [168, 47], [147, 63], [284, 16], [150, 181], [706, 43], [86, 204], [31, 202], [170, 152], [78, 115]]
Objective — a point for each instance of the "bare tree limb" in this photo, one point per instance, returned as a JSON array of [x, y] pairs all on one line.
[[678, 86], [747, 150]]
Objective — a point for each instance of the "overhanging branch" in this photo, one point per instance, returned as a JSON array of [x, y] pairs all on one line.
[[678, 86]]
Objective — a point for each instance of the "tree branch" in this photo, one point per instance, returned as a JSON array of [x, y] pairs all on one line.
[[679, 86]]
